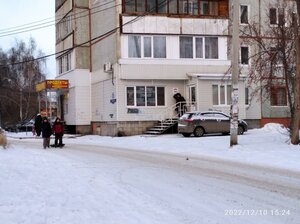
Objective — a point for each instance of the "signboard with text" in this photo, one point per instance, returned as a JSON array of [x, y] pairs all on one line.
[[52, 84]]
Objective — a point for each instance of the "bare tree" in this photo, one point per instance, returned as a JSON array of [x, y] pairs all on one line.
[[20, 72], [275, 62]]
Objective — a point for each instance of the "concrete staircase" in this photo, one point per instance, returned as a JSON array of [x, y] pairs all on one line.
[[165, 126]]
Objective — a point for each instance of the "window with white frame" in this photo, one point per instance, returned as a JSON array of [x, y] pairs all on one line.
[[199, 47], [134, 46], [244, 55], [147, 46], [221, 94], [64, 63], [145, 96], [276, 16], [244, 14]]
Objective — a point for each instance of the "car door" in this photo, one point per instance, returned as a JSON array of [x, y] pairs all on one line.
[[208, 122], [223, 123]]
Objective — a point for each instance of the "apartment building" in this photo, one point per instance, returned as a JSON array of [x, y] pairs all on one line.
[[125, 60]]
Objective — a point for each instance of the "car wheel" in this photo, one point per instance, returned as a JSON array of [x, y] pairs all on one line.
[[199, 132], [186, 134], [240, 130]]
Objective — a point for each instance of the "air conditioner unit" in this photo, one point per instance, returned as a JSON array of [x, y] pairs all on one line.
[[107, 67]]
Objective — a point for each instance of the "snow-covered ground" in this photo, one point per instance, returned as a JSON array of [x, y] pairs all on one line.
[[268, 146], [44, 186]]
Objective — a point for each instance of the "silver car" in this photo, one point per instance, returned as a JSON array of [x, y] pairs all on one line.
[[200, 123]]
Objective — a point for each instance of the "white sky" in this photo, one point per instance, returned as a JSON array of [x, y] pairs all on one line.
[[15, 13], [79, 184]]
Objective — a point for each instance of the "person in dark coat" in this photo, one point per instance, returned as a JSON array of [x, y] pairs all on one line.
[[180, 104], [38, 124], [46, 132], [58, 130]]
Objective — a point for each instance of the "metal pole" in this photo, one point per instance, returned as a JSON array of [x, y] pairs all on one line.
[[235, 45]]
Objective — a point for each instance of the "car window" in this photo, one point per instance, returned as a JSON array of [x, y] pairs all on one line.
[[186, 116], [207, 115], [221, 116]]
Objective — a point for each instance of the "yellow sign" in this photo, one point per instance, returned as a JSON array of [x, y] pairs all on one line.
[[40, 86], [52, 84]]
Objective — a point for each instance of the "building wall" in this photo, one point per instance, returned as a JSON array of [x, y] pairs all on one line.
[[103, 105], [78, 102]]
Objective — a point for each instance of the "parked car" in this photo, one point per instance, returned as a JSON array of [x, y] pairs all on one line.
[[200, 123], [26, 125]]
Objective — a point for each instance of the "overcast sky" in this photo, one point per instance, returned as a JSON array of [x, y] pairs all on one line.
[[17, 15]]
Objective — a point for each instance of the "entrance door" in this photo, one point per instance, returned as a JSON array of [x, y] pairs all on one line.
[[192, 98], [61, 102]]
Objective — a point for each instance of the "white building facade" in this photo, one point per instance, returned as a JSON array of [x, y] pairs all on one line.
[[125, 60]]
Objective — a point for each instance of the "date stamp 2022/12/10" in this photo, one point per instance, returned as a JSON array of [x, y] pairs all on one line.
[[257, 212]]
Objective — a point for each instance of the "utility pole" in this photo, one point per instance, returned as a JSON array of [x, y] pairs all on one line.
[[235, 46]]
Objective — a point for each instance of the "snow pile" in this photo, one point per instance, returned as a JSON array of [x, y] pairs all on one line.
[[275, 128]]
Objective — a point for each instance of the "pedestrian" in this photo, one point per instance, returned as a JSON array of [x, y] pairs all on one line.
[[58, 130], [46, 132], [38, 124]]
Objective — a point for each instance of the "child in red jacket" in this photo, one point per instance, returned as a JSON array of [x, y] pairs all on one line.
[[58, 130]]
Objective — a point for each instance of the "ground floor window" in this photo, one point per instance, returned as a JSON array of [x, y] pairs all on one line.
[[145, 96], [221, 94], [278, 96]]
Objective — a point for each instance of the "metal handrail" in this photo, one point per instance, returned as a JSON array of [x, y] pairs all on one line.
[[176, 110]]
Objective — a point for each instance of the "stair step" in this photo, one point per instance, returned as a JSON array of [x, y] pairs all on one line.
[[153, 132], [162, 126]]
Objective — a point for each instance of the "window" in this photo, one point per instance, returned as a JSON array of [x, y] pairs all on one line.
[[273, 16], [64, 27], [221, 94], [148, 96], [162, 6], [192, 94], [276, 16], [59, 3], [140, 96], [211, 47], [246, 96], [147, 46], [199, 47], [182, 7], [278, 96], [244, 55], [130, 96], [134, 46], [202, 46], [151, 6], [204, 8], [159, 47], [244, 14], [64, 63], [186, 47]]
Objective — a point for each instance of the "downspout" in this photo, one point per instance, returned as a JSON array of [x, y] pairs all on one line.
[[90, 37]]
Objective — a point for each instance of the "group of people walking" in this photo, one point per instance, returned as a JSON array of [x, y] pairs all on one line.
[[43, 127]]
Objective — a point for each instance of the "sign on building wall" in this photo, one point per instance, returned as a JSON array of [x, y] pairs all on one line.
[[52, 84]]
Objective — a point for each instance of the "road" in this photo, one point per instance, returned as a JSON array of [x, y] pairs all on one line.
[[89, 183]]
